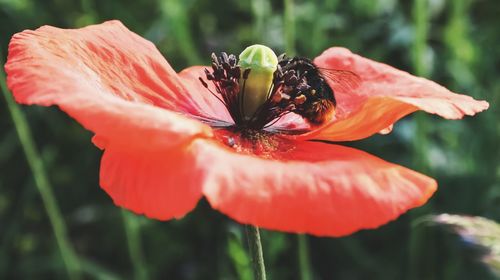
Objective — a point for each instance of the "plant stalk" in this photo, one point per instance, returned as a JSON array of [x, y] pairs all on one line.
[[418, 256], [133, 235], [42, 183], [303, 252], [255, 248]]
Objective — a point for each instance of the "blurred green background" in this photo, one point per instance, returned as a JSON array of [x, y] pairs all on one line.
[[456, 43]]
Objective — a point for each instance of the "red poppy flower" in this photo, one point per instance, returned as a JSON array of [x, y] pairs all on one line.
[[165, 144]]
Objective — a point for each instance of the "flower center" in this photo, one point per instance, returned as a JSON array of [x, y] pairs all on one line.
[[261, 143], [262, 62], [259, 88]]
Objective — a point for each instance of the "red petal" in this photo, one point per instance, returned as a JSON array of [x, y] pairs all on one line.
[[384, 96], [160, 185], [316, 188], [112, 81], [291, 122]]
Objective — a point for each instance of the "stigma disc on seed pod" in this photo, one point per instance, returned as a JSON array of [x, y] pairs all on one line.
[[262, 62]]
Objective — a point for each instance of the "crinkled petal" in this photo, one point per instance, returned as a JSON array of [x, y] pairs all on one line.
[[111, 80], [383, 96], [315, 188], [160, 185]]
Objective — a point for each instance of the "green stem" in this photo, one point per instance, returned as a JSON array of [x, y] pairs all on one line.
[[42, 183], [289, 27], [261, 10], [418, 256], [304, 264], [460, 46], [421, 23], [132, 232], [255, 248], [178, 18]]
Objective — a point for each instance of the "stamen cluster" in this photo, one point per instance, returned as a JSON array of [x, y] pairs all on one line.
[[287, 93], [225, 77]]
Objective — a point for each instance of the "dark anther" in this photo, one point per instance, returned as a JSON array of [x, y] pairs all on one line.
[[225, 58], [232, 60], [303, 87], [235, 72], [287, 75], [219, 73], [215, 66], [203, 82], [279, 71], [226, 66], [227, 83], [209, 75], [225, 76], [214, 58], [287, 89]]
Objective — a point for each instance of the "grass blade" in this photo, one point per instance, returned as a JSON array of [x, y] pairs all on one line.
[[132, 231], [42, 182]]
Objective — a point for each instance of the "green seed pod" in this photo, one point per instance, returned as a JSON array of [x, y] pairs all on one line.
[[262, 62]]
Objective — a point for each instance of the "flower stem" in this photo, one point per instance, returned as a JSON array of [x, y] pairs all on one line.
[[132, 232], [42, 183], [261, 10], [303, 252], [255, 248], [419, 257], [419, 49]]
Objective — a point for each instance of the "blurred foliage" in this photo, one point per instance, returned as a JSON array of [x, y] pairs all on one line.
[[477, 232], [459, 49]]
